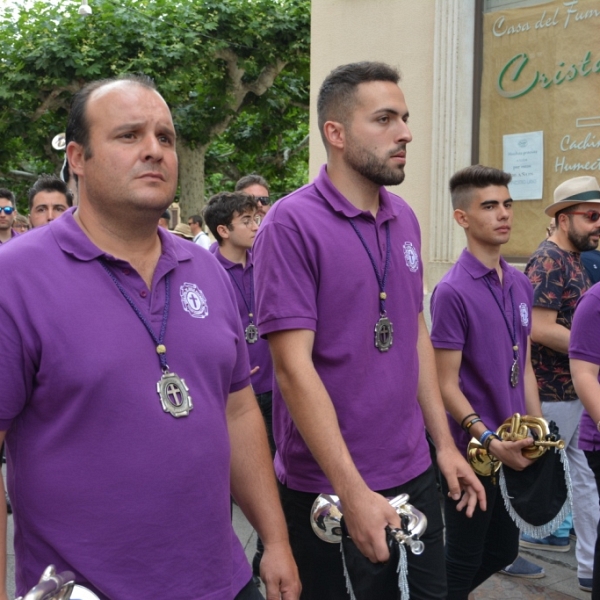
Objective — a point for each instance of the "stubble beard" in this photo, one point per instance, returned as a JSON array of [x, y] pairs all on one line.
[[373, 168], [581, 242]]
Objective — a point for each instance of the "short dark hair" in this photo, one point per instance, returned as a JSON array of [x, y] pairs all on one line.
[[166, 215], [8, 195], [49, 183], [197, 219], [78, 128], [463, 182], [252, 179], [221, 209], [337, 96]]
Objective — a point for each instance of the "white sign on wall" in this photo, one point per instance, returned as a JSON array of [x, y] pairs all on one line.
[[524, 160]]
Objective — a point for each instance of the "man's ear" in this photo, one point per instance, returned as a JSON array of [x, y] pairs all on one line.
[[461, 217], [76, 158], [223, 231], [335, 134]]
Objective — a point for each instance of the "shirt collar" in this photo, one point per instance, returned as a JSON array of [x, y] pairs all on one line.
[[477, 269], [340, 204], [72, 240], [228, 264]]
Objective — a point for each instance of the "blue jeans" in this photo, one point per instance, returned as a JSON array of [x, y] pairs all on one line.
[[320, 563], [479, 546]]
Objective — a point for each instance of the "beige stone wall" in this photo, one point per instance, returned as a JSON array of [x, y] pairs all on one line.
[[399, 33]]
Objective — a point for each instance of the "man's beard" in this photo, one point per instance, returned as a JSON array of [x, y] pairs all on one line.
[[581, 242], [373, 168]]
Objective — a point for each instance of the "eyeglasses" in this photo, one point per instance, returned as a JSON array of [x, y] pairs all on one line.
[[264, 200], [247, 222], [590, 215], [9, 210]]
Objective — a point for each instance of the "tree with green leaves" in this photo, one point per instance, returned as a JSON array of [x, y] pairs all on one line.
[[234, 72]]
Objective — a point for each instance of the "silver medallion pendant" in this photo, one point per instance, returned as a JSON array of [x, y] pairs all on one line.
[[384, 334], [514, 374], [174, 395], [251, 333]]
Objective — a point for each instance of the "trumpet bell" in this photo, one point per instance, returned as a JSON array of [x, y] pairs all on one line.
[[326, 517], [59, 142]]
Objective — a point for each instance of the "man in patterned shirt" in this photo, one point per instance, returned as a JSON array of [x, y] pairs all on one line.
[[559, 279]]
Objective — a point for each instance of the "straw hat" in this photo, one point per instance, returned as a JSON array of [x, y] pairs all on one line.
[[183, 230], [574, 191]]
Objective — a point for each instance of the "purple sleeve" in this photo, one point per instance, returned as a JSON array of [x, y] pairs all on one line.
[[448, 319], [585, 339], [18, 371], [241, 373], [285, 280]]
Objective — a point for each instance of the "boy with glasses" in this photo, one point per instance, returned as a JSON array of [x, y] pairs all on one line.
[[233, 219], [7, 215], [256, 186]]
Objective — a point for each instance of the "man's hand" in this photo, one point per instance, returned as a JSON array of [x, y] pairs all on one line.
[[279, 572], [461, 479], [510, 453], [366, 515]]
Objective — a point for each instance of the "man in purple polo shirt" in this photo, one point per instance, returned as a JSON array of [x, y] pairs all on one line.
[[483, 384], [7, 215], [233, 220], [584, 354], [129, 418], [340, 296]]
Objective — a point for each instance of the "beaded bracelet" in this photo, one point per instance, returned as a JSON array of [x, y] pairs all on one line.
[[462, 423]]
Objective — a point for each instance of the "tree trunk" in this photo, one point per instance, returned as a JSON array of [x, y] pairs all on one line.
[[191, 179]]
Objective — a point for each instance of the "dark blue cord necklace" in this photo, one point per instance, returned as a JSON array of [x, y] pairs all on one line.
[[384, 330], [251, 332], [172, 390], [514, 370]]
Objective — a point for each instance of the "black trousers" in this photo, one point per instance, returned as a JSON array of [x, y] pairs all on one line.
[[249, 592], [593, 459], [479, 546], [320, 563]]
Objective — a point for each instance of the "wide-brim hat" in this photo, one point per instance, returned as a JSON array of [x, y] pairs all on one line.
[[184, 231], [574, 191]]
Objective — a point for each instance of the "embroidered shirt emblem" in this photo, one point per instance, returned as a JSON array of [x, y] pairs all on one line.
[[524, 314], [411, 257], [193, 300]]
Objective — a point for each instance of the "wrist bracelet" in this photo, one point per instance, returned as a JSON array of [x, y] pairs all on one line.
[[489, 439], [598, 425], [484, 436], [468, 426], [462, 423]]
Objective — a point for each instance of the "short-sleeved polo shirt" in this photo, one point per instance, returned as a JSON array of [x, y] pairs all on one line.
[[472, 311], [102, 481], [312, 272]]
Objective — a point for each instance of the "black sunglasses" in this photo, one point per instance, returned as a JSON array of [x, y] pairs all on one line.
[[264, 200], [590, 215], [9, 210]]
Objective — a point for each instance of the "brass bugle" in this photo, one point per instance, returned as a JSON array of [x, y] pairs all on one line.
[[58, 586], [326, 516], [513, 429]]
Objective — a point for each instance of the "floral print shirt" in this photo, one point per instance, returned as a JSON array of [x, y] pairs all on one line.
[[559, 280]]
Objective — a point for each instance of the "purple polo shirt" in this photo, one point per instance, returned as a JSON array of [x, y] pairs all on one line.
[[466, 317], [102, 481], [242, 280], [584, 344], [312, 272]]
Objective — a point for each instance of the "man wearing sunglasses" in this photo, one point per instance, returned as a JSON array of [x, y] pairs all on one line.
[[7, 215], [559, 280], [256, 186]]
